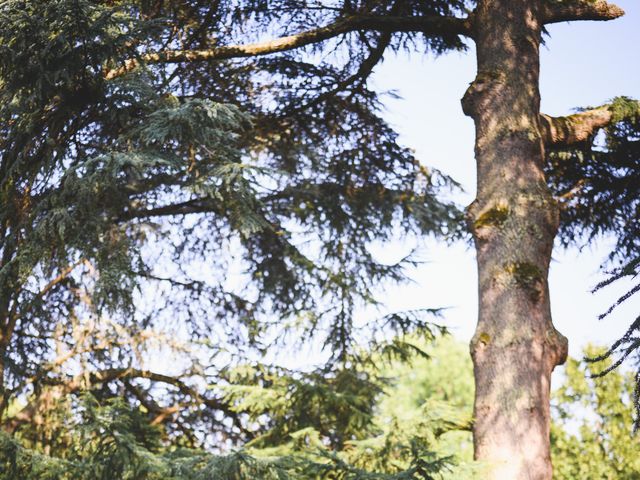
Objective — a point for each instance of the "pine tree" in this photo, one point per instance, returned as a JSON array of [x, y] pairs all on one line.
[[120, 188], [176, 126]]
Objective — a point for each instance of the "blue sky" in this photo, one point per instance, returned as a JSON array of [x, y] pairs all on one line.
[[582, 64]]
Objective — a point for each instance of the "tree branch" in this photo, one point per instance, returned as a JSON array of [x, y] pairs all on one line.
[[73, 384], [574, 129], [433, 25], [568, 10], [61, 276], [364, 72], [108, 375], [196, 205]]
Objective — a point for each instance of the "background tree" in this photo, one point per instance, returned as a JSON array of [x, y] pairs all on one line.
[[118, 112], [591, 434], [592, 416], [436, 386]]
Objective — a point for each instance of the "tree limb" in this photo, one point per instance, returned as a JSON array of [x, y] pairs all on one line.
[[433, 25], [574, 129], [108, 375], [152, 406], [555, 11], [61, 276], [196, 205]]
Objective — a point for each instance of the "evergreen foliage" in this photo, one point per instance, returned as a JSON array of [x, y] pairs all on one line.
[[627, 346], [156, 182], [599, 182]]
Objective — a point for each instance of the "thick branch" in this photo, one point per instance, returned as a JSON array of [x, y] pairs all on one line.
[[435, 25], [568, 10], [574, 129]]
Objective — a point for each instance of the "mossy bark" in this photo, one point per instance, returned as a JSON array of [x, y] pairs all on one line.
[[514, 220]]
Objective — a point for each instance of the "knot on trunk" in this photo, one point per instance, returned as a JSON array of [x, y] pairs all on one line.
[[559, 345], [484, 88]]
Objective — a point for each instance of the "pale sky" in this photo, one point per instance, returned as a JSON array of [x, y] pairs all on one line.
[[582, 64]]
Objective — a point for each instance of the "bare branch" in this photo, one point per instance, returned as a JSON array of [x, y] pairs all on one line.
[[150, 404], [14, 313], [574, 129], [434, 25], [62, 276], [556, 11]]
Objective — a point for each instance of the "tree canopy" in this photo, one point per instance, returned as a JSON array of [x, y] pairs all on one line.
[[157, 181]]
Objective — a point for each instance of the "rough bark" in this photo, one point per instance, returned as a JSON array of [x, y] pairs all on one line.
[[514, 220], [567, 10]]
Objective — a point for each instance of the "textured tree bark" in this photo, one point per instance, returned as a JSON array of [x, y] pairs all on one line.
[[514, 220]]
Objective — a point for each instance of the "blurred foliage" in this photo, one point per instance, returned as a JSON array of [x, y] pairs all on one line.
[[410, 419], [333, 426], [591, 433], [435, 388]]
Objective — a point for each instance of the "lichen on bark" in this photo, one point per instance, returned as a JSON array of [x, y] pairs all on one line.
[[494, 217], [528, 277]]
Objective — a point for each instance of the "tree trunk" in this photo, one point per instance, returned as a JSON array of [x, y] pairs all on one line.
[[514, 220]]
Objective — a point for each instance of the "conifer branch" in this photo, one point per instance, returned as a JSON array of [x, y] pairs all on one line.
[[435, 25], [574, 129], [556, 11], [196, 205], [59, 278], [582, 126]]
